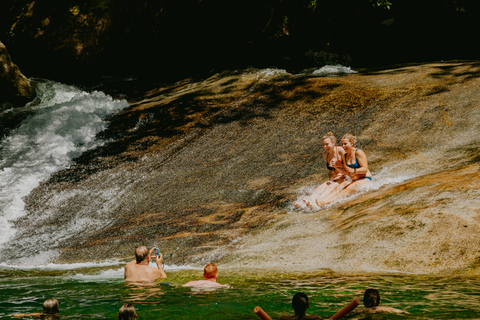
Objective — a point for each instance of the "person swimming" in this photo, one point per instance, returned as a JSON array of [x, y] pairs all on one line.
[[333, 156], [300, 304], [51, 310], [371, 301], [355, 166], [127, 312], [210, 274]]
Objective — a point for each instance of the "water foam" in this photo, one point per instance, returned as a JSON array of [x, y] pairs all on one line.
[[332, 70], [64, 125]]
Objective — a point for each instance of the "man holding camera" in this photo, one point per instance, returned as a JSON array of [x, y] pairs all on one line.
[[139, 270]]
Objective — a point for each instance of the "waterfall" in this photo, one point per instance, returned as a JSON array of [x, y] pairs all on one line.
[[63, 124]]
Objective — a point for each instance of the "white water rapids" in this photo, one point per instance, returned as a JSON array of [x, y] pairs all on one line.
[[64, 124]]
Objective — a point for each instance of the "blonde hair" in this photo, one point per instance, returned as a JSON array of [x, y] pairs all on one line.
[[330, 136], [210, 270], [51, 306], [141, 254], [350, 137], [127, 312]]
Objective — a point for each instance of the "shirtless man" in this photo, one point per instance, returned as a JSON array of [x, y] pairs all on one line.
[[371, 301], [139, 270], [210, 273]]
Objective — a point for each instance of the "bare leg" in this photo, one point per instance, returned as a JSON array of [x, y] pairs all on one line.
[[326, 189], [298, 205], [311, 204], [353, 188]]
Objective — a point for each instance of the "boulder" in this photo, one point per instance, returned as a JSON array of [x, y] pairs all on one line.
[[14, 86]]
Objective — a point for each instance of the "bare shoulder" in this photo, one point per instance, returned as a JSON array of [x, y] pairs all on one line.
[[205, 284], [21, 315], [382, 309], [361, 153]]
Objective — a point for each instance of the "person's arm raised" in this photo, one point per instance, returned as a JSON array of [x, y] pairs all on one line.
[[158, 261]]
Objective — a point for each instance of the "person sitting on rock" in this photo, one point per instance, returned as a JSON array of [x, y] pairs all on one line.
[[210, 273], [371, 301]]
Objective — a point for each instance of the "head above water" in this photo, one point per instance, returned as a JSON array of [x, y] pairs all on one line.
[[51, 306], [141, 254], [127, 312], [210, 271], [330, 136], [371, 298], [300, 303]]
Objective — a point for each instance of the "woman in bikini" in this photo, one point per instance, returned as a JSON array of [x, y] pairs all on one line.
[[333, 156], [355, 165]]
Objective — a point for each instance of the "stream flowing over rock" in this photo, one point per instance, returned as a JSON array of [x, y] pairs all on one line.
[[207, 170]]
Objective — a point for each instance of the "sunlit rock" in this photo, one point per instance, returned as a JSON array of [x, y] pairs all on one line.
[[14, 86]]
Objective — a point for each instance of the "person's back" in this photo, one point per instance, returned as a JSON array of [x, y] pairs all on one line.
[[210, 273], [300, 304], [139, 270], [371, 301]]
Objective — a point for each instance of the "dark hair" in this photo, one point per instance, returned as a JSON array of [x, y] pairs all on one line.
[[127, 312], [300, 304], [371, 298]]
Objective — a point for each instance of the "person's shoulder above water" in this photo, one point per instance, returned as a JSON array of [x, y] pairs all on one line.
[[210, 273], [371, 301], [51, 308], [139, 270], [381, 309], [205, 284]]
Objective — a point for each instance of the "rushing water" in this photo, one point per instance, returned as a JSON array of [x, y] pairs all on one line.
[[63, 124]]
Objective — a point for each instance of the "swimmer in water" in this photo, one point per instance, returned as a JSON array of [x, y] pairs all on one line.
[[210, 273], [127, 312], [356, 166], [333, 156], [51, 309], [300, 305], [371, 301]]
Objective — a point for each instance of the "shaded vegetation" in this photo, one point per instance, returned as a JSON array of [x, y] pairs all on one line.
[[81, 39]]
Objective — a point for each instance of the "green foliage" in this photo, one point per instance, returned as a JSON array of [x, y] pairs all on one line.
[[382, 3]]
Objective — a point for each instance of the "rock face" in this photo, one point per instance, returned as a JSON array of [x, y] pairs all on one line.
[[14, 86], [208, 169]]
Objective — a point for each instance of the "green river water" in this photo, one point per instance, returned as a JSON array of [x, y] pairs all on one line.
[[98, 293]]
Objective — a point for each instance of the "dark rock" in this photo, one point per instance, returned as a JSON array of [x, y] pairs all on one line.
[[14, 86]]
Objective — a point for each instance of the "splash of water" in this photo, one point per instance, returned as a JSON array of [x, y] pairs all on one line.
[[64, 124]]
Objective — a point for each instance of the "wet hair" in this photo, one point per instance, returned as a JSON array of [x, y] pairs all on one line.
[[51, 306], [350, 137], [127, 312], [371, 298], [210, 270], [141, 254], [300, 304], [330, 136]]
